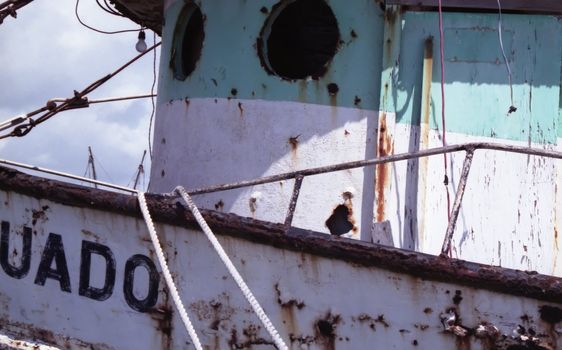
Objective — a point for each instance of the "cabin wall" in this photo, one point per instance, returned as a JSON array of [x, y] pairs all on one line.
[[315, 302], [511, 203], [233, 120]]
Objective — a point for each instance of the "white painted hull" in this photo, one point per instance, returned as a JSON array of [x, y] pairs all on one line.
[[320, 292]]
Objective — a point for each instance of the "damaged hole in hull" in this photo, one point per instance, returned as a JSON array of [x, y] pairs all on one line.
[[339, 222]]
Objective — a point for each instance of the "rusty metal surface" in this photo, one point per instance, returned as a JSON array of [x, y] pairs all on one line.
[[294, 199], [167, 210], [147, 13], [457, 204], [381, 160], [536, 6]]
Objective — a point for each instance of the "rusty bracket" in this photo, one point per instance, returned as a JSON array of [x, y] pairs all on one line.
[[457, 204], [293, 202]]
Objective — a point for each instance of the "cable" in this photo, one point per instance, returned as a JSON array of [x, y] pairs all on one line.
[[444, 133], [107, 99], [232, 269], [152, 99], [512, 107], [99, 30], [166, 271], [78, 100], [109, 9], [9, 8]]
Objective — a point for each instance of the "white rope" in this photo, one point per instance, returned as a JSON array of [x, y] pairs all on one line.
[[233, 271], [166, 271]]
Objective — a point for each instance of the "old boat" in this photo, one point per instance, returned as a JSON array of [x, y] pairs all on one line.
[[353, 236]]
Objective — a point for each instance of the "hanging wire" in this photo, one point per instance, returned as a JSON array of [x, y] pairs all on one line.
[[99, 30], [512, 107], [152, 99], [51, 109], [107, 8], [444, 133]]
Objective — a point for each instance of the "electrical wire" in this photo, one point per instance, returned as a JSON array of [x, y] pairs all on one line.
[[99, 30], [52, 109], [107, 99], [444, 132], [107, 8], [512, 107], [152, 99]]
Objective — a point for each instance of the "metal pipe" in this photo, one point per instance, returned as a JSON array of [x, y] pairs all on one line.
[[69, 176], [457, 204], [379, 160], [293, 202]]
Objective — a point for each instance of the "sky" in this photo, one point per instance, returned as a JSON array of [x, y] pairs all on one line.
[[46, 53]]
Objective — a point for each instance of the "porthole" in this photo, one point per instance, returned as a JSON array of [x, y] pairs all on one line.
[[299, 39], [188, 41]]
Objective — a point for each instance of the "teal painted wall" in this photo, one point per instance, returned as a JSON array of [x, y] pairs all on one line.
[[230, 57], [477, 91]]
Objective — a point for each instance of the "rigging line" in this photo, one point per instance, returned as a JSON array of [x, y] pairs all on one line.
[[107, 99], [444, 133], [9, 8], [67, 175], [99, 30], [152, 99], [512, 108], [23, 130], [108, 9]]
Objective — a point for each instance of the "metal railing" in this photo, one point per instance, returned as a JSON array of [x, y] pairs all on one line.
[[299, 176], [469, 148]]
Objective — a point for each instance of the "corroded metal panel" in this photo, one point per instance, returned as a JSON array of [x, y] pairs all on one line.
[[77, 279], [316, 301]]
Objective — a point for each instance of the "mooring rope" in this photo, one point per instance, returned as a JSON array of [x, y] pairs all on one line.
[[166, 271], [232, 269]]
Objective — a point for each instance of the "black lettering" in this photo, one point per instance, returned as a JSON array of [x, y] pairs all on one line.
[[84, 289], [141, 305], [54, 250], [13, 271]]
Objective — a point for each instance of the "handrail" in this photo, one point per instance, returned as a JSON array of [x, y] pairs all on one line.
[[299, 175], [469, 148]]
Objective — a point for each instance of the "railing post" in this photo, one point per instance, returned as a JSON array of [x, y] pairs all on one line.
[[293, 202], [457, 204]]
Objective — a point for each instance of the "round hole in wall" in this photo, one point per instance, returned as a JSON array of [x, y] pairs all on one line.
[[299, 39], [188, 41]]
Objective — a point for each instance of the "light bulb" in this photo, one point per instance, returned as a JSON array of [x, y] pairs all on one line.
[[141, 44]]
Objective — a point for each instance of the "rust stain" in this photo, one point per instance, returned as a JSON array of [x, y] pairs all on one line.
[[241, 109], [219, 205], [385, 147], [294, 142], [47, 337], [326, 330], [39, 215]]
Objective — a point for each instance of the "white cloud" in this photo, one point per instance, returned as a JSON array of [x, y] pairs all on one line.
[[46, 53]]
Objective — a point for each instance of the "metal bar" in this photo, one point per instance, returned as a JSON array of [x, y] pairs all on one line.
[[380, 160], [69, 176], [293, 202], [535, 6], [457, 204]]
